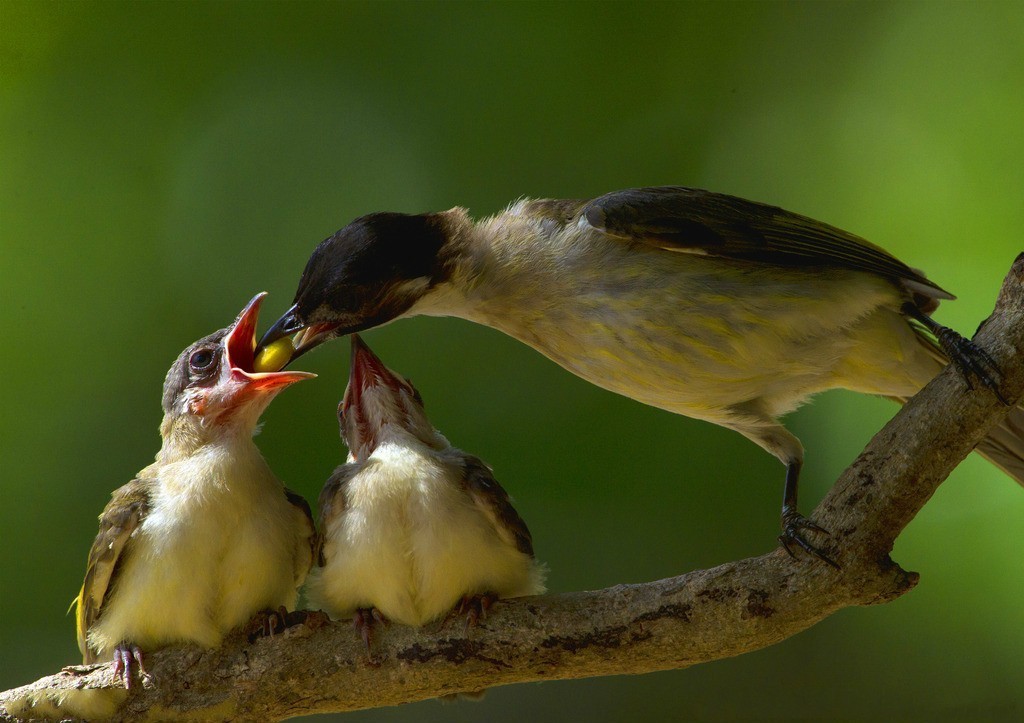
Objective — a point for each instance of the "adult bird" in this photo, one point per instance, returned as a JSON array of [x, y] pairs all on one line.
[[699, 303], [411, 527], [206, 537]]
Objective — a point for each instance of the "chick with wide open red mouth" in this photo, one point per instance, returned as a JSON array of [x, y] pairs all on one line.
[[240, 346], [238, 385]]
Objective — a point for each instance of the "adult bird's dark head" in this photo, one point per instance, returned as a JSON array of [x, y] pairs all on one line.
[[365, 275]]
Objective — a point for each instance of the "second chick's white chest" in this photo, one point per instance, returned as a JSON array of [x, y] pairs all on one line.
[[411, 542]]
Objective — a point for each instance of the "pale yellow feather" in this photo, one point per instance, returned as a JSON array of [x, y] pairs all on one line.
[[220, 542], [410, 542]]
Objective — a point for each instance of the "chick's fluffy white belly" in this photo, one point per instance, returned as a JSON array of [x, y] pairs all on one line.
[[411, 543], [220, 543]]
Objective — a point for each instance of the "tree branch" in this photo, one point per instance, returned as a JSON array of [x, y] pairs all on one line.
[[694, 618]]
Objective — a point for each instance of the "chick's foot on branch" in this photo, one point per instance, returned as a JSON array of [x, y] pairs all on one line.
[[364, 620], [126, 657], [475, 607], [267, 623]]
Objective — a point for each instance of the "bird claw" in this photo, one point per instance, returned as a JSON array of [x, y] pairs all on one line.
[[475, 608], [126, 657], [267, 623], [971, 361], [364, 620], [312, 619], [793, 523]]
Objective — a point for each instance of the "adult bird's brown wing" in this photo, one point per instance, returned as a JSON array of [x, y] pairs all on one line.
[[688, 220]]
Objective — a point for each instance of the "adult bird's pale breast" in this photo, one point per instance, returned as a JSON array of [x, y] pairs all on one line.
[[694, 334]]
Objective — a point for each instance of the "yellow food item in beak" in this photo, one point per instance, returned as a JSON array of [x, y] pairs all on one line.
[[273, 357]]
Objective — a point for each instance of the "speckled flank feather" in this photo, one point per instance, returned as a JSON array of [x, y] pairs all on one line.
[[120, 519]]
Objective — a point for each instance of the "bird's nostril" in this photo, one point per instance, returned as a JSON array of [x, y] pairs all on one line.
[[291, 323]]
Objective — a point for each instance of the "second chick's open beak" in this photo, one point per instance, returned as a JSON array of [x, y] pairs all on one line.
[[366, 371], [240, 348], [375, 398]]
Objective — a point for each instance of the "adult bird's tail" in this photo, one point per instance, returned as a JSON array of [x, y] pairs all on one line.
[[1004, 445]]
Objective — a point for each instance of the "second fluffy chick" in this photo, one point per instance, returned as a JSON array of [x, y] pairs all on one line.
[[410, 526]]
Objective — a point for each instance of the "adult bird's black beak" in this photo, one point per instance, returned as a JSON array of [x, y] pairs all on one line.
[[306, 336], [289, 323]]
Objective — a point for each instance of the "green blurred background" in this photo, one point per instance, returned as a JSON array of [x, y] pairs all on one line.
[[160, 163]]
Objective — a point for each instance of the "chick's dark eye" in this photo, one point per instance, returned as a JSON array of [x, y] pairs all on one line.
[[201, 360]]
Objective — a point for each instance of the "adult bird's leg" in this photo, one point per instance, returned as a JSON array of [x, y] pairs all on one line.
[[969, 358], [793, 522]]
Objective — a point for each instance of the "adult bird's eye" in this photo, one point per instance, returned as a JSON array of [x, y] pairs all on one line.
[[200, 360]]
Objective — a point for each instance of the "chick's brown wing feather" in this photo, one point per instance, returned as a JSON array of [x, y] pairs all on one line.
[[490, 497], [332, 502], [122, 516], [307, 554]]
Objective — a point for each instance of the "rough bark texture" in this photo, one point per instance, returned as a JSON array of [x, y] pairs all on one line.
[[694, 618]]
